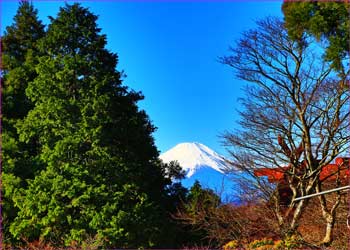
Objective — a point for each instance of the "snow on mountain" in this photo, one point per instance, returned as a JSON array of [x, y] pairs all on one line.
[[193, 157], [203, 164]]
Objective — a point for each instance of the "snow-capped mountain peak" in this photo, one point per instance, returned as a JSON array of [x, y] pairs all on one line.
[[194, 156]]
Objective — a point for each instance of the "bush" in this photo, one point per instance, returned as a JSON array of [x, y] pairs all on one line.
[[257, 244], [231, 245], [292, 242]]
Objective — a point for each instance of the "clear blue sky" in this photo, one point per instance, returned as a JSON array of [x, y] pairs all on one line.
[[169, 51]]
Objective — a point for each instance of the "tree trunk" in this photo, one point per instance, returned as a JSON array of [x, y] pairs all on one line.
[[328, 215], [328, 238], [296, 216]]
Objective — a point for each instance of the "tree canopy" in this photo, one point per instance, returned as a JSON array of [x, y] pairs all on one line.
[[295, 116], [100, 177], [19, 49], [328, 21]]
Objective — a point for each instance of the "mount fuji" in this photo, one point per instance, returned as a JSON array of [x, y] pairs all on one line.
[[203, 164]]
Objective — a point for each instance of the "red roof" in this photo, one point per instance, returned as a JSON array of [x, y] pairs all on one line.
[[273, 174], [328, 172]]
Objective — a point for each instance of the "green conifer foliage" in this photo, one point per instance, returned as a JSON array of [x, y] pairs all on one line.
[[327, 21], [18, 53], [18, 49], [103, 179]]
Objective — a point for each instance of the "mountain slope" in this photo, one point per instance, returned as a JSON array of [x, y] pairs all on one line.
[[194, 156], [203, 164]]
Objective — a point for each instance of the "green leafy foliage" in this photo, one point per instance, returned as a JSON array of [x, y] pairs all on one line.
[[18, 54], [259, 243], [327, 21], [200, 197], [94, 168], [198, 212]]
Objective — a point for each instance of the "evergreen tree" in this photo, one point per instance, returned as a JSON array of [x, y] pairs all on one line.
[[18, 53], [103, 179], [327, 21], [198, 214], [200, 197], [18, 50]]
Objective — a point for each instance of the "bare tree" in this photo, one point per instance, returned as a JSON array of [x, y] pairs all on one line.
[[294, 119], [221, 223]]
